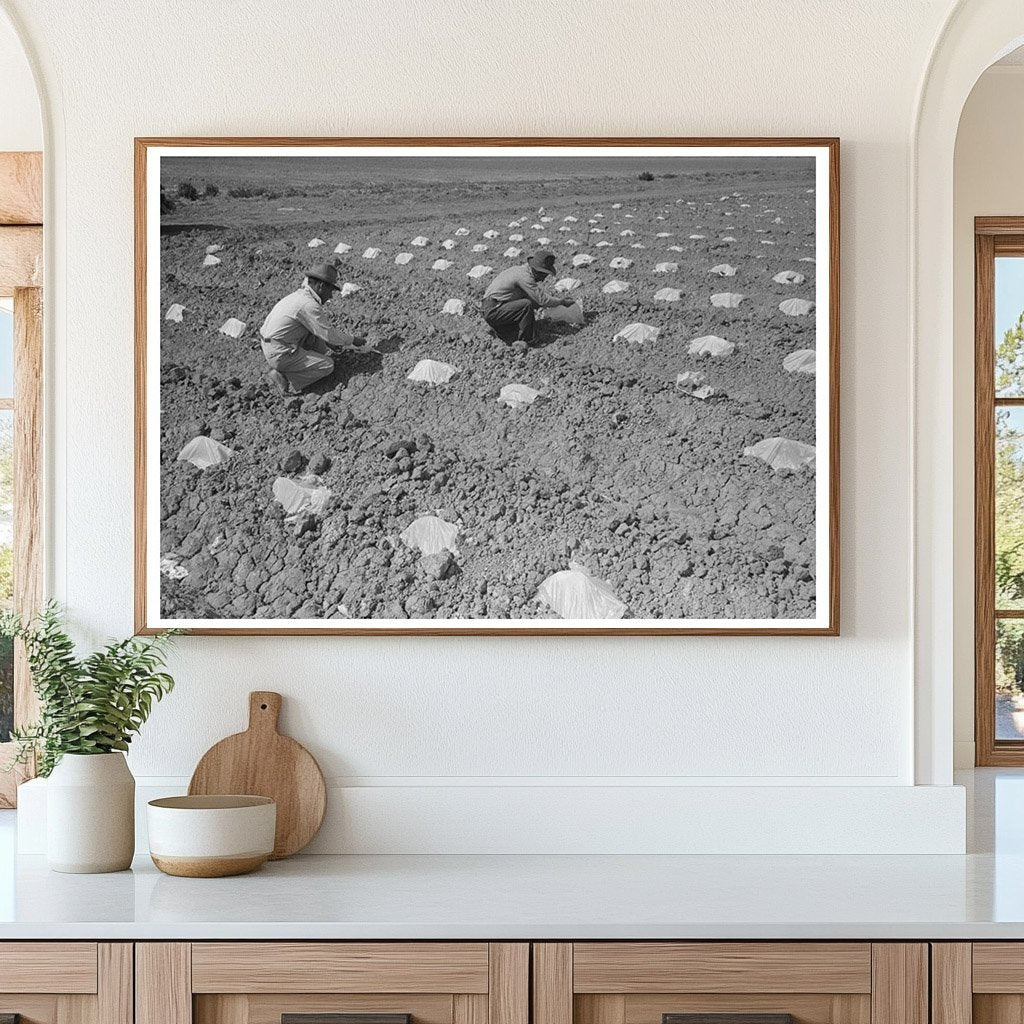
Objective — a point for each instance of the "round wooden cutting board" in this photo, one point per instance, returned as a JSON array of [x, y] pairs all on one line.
[[262, 762]]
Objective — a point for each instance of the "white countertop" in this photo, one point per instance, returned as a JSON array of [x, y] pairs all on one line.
[[517, 897], [977, 896]]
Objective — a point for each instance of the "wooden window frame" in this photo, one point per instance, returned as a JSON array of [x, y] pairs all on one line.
[[993, 237], [21, 278]]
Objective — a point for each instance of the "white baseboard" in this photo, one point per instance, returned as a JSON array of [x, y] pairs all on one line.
[[571, 819]]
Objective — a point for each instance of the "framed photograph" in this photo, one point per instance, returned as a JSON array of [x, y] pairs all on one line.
[[494, 386]]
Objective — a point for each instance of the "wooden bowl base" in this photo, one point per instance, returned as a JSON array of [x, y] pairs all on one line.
[[209, 867]]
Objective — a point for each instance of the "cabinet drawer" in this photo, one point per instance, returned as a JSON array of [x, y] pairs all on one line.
[[980, 982], [730, 983], [998, 967], [65, 967], [634, 967], [332, 983], [66, 982], [340, 967]]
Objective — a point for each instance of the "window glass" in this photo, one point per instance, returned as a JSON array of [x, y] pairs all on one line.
[[1009, 327], [6, 567], [1009, 511], [6, 353], [1009, 496], [1009, 679]]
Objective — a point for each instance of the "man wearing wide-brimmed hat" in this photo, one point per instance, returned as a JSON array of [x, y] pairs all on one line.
[[296, 340], [513, 297]]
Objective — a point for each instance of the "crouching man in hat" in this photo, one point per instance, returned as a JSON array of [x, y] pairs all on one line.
[[297, 342], [513, 297]]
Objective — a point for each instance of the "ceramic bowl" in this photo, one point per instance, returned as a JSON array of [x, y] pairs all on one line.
[[211, 836]]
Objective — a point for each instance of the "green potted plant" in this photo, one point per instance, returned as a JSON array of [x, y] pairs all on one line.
[[90, 708]]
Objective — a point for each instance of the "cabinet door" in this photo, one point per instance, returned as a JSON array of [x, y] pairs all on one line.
[[332, 983], [981, 982], [65, 983], [730, 983]]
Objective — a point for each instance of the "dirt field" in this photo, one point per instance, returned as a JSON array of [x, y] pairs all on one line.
[[613, 468]]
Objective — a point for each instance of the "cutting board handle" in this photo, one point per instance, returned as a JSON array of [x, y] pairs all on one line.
[[264, 710]]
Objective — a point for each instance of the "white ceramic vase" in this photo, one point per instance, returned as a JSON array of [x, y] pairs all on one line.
[[90, 814]]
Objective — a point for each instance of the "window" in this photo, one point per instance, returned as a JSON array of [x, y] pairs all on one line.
[[999, 490], [21, 365], [6, 511], [20, 502]]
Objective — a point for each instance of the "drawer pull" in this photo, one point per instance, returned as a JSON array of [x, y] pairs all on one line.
[[727, 1018], [339, 1018]]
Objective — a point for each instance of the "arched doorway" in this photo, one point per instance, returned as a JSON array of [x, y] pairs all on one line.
[[977, 33]]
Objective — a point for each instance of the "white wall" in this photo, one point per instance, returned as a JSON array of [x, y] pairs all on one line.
[[987, 181], [21, 126], [456, 712]]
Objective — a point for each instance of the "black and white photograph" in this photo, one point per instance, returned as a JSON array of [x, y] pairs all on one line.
[[460, 387]]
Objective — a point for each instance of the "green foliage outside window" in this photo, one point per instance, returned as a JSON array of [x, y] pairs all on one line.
[[1009, 512]]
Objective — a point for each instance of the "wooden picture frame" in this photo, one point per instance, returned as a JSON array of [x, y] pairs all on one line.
[[150, 303]]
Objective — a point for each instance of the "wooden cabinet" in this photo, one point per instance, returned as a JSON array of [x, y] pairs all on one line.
[[308, 982], [494, 983], [753, 982], [978, 983], [66, 982]]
